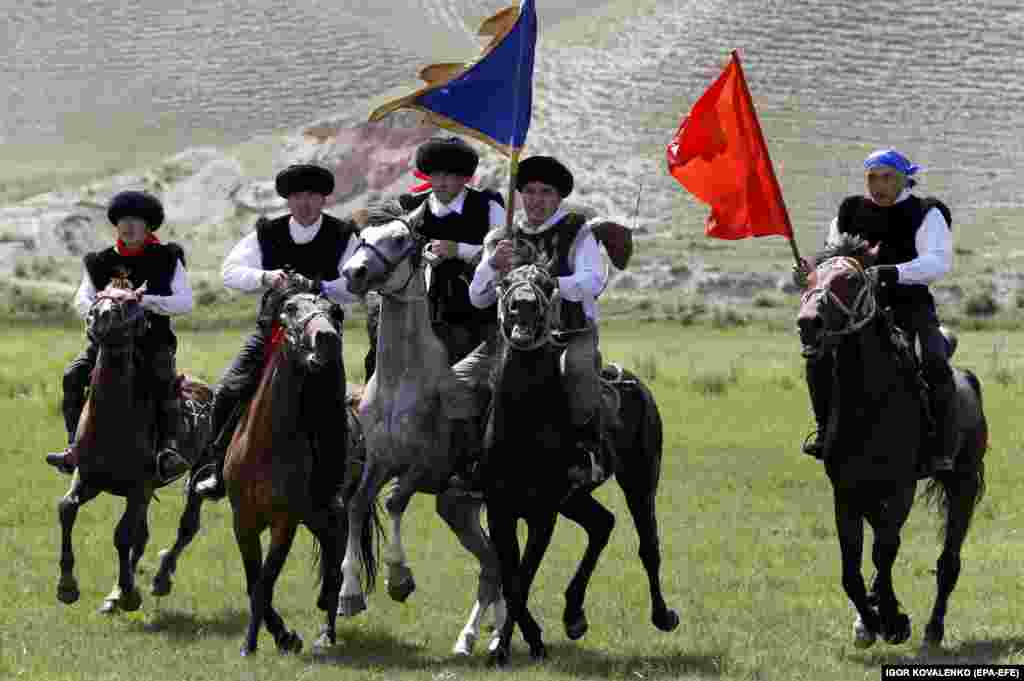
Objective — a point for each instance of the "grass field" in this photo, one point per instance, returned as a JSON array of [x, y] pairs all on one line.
[[750, 556]]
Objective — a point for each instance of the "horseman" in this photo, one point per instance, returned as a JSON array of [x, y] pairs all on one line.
[[139, 268], [914, 241], [306, 241], [566, 241], [456, 218]]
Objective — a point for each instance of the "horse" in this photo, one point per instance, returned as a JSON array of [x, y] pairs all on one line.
[[407, 434], [287, 460], [118, 458], [529, 448], [877, 436]]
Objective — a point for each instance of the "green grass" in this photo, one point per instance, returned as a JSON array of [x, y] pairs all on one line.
[[750, 558]]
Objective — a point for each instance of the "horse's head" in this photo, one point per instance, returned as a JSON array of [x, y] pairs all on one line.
[[116, 318], [312, 328], [840, 299], [387, 258], [526, 306]]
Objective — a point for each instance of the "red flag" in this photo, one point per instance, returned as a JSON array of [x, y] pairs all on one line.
[[719, 155]]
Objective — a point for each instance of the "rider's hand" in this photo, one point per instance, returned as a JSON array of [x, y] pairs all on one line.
[[501, 259], [277, 279], [884, 274], [444, 249], [801, 273]]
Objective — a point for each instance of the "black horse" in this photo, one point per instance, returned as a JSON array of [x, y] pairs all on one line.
[[877, 436], [529, 444]]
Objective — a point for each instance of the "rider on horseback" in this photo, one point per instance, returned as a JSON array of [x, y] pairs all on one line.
[[313, 245], [914, 241], [455, 218], [155, 276], [565, 240]]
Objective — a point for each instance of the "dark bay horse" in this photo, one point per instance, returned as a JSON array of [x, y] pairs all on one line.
[[287, 460], [529, 448], [877, 437], [116, 444], [402, 413]]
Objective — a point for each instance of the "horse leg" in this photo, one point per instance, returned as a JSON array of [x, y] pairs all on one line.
[[961, 497], [541, 526], [247, 536], [463, 517], [352, 600], [67, 511], [125, 595], [282, 535], [330, 535], [598, 522], [400, 582], [502, 526], [188, 527], [640, 498], [850, 529], [887, 520]]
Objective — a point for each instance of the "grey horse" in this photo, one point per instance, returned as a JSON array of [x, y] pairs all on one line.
[[403, 418]]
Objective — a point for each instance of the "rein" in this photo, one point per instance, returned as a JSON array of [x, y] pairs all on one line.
[[391, 265], [547, 335], [858, 314]]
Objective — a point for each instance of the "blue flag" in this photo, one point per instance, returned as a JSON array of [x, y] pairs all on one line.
[[491, 98]]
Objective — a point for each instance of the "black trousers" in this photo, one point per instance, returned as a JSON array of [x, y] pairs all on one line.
[[239, 381]]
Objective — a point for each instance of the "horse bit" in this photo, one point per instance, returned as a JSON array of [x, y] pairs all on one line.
[[858, 314]]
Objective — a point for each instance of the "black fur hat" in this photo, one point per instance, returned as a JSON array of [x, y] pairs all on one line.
[[545, 169], [136, 204], [447, 154], [304, 177]]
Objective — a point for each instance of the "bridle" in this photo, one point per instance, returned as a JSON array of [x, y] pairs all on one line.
[[857, 314], [123, 320], [410, 252], [296, 330], [544, 335]]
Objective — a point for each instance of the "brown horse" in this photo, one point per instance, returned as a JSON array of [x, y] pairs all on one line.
[[876, 437], [116, 457], [287, 460]]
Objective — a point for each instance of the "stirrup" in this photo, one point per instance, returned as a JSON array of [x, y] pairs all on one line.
[[59, 460], [170, 458], [813, 446], [211, 487]]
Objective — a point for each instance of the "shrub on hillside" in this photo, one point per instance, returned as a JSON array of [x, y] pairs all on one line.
[[981, 304]]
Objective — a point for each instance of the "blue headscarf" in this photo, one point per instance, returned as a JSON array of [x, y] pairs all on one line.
[[893, 159]]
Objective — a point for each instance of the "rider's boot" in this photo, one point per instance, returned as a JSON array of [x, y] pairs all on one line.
[[212, 486], [943, 397], [468, 473], [66, 460], [170, 463], [819, 385], [594, 467]]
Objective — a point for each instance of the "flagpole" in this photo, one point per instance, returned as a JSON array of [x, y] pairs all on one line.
[[764, 147], [510, 202]]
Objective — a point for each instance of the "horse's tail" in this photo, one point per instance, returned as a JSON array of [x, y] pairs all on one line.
[[369, 543], [940, 490]]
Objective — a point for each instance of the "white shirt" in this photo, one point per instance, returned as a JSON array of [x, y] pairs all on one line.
[[243, 268], [496, 217], [178, 303], [934, 244], [584, 285]]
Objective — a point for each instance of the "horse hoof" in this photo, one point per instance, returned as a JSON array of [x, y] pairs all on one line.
[[400, 583], [667, 620], [290, 642], [464, 646], [499, 657], [862, 636], [109, 607], [247, 650], [323, 643], [350, 606], [131, 601], [538, 653], [577, 628], [899, 632], [67, 592], [933, 635], [161, 585]]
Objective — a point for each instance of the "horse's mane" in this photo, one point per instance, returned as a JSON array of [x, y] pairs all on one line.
[[848, 245], [383, 211]]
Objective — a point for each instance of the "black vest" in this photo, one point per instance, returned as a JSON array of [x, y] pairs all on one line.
[[895, 228], [449, 281], [554, 244], [316, 259], [155, 267]]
